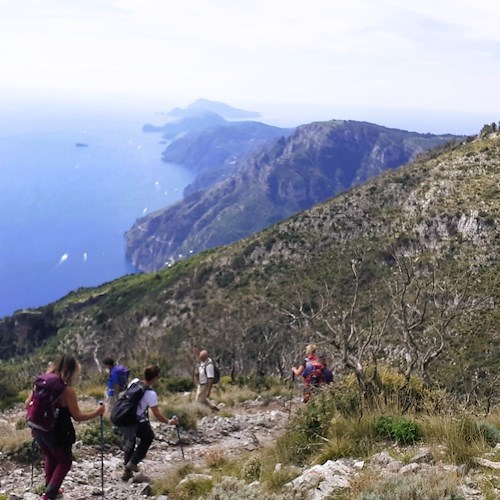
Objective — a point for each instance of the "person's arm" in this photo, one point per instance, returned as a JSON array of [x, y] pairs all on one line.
[[116, 390], [157, 413], [209, 372], [72, 404], [298, 371], [28, 400], [210, 383]]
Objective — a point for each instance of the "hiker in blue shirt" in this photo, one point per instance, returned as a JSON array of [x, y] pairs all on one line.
[[117, 381]]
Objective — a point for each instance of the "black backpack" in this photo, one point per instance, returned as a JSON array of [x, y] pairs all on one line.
[[124, 410]]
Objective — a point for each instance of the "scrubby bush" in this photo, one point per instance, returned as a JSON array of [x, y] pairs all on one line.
[[402, 430], [10, 385], [187, 415], [489, 432], [20, 447], [167, 484], [231, 487], [463, 437], [191, 488], [251, 469], [178, 384], [90, 433]]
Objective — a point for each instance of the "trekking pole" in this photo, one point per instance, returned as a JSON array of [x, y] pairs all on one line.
[[102, 452], [32, 461], [179, 437], [291, 397]]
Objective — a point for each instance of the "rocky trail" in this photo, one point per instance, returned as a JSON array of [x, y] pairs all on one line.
[[229, 433], [249, 426]]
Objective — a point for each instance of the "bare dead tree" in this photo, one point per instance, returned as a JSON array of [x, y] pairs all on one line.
[[425, 308], [355, 334]]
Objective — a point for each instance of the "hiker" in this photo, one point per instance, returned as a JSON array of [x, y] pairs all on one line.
[[316, 375], [116, 383], [133, 452], [205, 376], [310, 358], [57, 443]]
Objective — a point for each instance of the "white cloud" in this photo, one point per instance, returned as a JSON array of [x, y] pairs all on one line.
[[425, 52]]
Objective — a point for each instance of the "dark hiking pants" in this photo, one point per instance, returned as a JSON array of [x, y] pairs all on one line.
[[134, 452]]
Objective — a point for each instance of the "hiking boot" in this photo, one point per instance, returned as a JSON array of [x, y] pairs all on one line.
[[60, 493], [132, 467], [127, 474]]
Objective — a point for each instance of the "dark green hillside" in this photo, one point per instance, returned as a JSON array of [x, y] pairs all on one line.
[[394, 270], [313, 164]]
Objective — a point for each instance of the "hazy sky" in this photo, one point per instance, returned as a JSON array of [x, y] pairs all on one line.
[[394, 54]]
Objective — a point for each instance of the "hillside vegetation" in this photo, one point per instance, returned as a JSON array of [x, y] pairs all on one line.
[[402, 270]]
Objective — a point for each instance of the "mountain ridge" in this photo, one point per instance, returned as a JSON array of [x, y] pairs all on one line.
[[315, 162]]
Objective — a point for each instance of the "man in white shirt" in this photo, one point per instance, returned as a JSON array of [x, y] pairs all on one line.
[[142, 430], [205, 377]]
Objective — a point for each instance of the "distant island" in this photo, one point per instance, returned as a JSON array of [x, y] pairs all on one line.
[[81, 145]]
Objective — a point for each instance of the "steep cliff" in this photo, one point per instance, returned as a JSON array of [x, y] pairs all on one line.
[[315, 163]]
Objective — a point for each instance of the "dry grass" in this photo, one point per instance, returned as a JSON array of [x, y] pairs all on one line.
[[17, 443], [461, 437], [440, 486]]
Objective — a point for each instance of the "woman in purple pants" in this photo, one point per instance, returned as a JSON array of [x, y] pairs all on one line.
[[57, 443]]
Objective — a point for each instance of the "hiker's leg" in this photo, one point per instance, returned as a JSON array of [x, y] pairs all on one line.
[[49, 463], [64, 460], [201, 397], [46, 442], [201, 391], [146, 436], [129, 434]]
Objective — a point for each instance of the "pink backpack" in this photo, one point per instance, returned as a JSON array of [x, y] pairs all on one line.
[[43, 409]]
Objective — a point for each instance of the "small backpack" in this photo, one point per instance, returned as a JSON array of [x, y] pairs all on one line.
[[43, 409], [216, 371], [123, 373], [316, 376], [124, 411]]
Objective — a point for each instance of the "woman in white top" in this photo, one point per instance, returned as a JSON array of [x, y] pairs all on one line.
[[134, 452]]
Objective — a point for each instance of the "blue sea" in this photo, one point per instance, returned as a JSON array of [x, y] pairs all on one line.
[[71, 183]]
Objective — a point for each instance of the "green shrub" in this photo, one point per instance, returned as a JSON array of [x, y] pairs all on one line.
[[400, 429], [179, 384], [251, 470], [90, 434], [489, 432], [10, 385]]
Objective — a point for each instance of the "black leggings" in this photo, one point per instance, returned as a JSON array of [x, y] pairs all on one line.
[[145, 435]]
